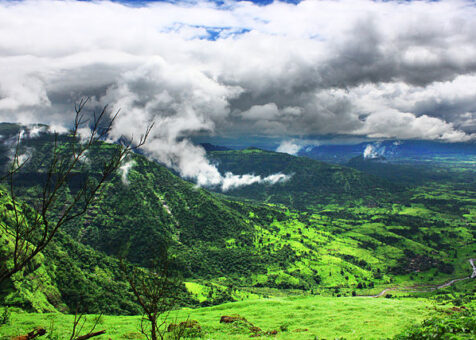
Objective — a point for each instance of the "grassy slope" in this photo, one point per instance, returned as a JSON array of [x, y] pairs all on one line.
[[428, 229], [64, 275], [32, 288], [421, 241], [324, 317]]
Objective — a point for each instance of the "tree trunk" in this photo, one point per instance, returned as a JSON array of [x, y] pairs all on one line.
[[153, 328]]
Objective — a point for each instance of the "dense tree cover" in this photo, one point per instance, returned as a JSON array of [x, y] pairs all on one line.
[[312, 182], [150, 211], [71, 276]]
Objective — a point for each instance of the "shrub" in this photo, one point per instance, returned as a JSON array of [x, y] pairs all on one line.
[[284, 327], [5, 317], [459, 324]]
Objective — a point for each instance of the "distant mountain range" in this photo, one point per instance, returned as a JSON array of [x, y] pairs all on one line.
[[390, 149], [211, 147]]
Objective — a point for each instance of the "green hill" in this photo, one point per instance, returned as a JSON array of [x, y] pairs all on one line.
[[65, 277], [311, 183]]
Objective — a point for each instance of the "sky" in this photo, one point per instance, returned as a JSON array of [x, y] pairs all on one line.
[[241, 69]]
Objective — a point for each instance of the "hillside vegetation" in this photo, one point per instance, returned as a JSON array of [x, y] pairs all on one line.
[[330, 233], [311, 182]]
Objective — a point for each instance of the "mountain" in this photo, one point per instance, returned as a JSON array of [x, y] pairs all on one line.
[[310, 182], [404, 174], [414, 150], [211, 147], [148, 209]]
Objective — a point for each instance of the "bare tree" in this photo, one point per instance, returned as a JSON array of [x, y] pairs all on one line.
[[156, 291], [52, 208]]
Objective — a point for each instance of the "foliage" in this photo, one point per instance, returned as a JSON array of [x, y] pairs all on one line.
[[312, 182], [32, 232], [459, 324], [353, 235], [356, 245], [5, 317]]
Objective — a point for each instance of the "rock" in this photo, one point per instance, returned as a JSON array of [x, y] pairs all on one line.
[[231, 318]]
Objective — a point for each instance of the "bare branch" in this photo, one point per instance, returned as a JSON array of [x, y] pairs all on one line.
[[31, 236], [155, 291]]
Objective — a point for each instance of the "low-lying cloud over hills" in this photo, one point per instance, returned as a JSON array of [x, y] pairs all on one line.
[[373, 68]]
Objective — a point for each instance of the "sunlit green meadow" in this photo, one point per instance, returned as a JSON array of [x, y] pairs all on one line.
[[293, 318]]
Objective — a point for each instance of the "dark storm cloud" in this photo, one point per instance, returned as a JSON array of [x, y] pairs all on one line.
[[378, 69]]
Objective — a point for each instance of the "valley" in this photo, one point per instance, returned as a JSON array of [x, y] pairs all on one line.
[[319, 254]]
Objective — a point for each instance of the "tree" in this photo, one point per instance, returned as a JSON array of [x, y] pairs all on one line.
[[156, 291], [30, 233]]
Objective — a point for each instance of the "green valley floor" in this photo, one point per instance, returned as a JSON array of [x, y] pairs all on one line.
[[292, 317]]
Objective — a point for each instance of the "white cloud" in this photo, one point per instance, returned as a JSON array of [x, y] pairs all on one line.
[[275, 178], [379, 68], [35, 130], [231, 181], [290, 147], [373, 151], [60, 129], [261, 112], [124, 170], [293, 146]]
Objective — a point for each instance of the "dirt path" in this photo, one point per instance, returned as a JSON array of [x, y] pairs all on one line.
[[383, 292], [444, 285]]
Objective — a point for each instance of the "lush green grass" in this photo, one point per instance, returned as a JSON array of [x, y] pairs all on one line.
[[391, 244], [324, 317]]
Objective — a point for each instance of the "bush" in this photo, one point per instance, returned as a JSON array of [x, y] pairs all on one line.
[[458, 324], [284, 327], [5, 317]]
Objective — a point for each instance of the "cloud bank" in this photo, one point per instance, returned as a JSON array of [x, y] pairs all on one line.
[[383, 69]]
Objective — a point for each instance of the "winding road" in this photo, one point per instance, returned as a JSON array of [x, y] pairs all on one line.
[[444, 285]]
